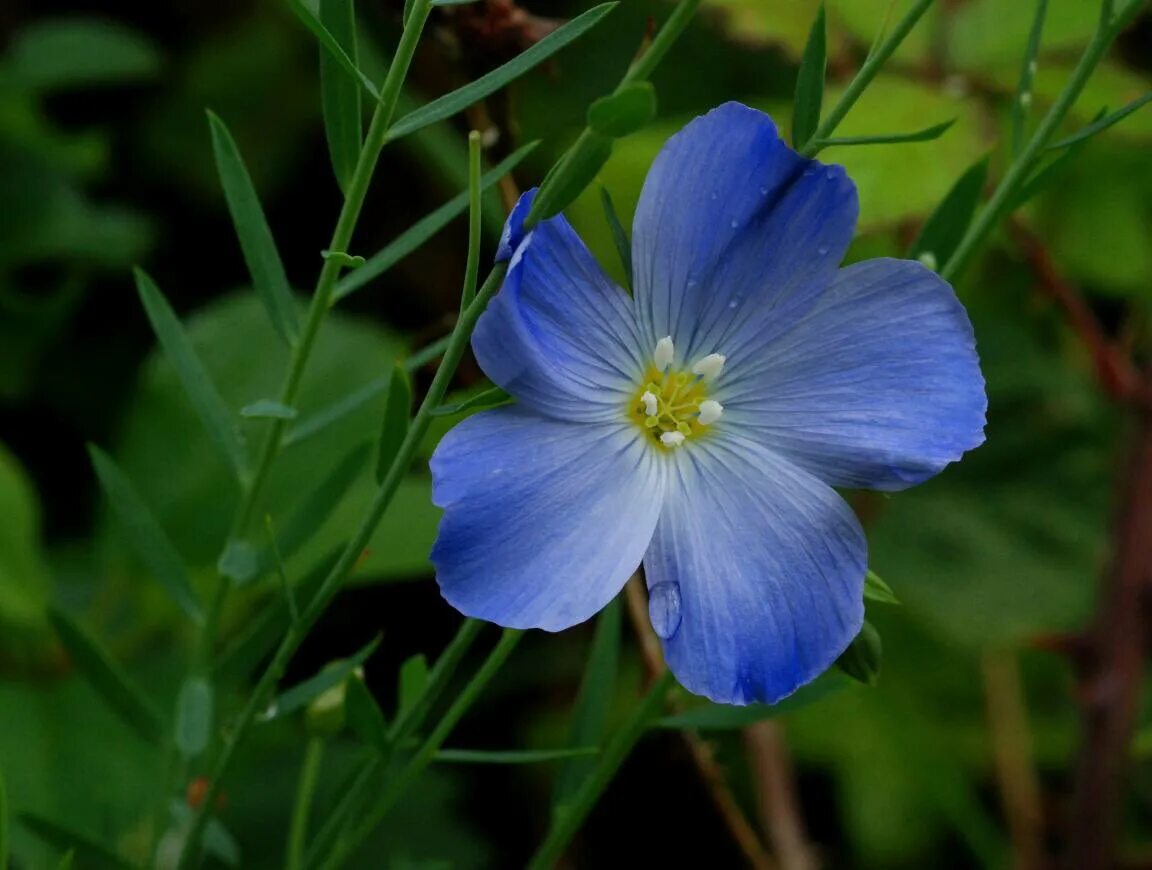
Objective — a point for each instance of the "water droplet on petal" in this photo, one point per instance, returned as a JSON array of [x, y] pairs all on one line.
[[715, 195], [830, 173], [664, 608], [822, 250], [735, 223], [763, 191]]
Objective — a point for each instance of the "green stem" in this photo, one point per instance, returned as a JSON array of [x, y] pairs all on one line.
[[472, 267], [646, 63], [569, 817], [309, 773]]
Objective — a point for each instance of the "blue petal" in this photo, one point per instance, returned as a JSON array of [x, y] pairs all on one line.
[[543, 521], [878, 387], [768, 567], [735, 233], [559, 335], [513, 233]]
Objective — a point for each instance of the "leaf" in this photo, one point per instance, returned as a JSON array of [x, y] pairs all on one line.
[[198, 386], [875, 589], [264, 265], [91, 853], [593, 703], [569, 177], [364, 715], [5, 849], [347, 261], [413, 679], [67, 861], [514, 756], [487, 399], [1103, 123], [619, 234], [397, 412], [720, 717], [195, 712], [145, 535], [330, 44], [623, 112], [862, 660], [462, 98], [809, 95], [304, 693], [24, 576], [1023, 99], [926, 135], [108, 678], [944, 229], [452, 2], [425, 228], [76, 52], [340, 95], [268, 409]]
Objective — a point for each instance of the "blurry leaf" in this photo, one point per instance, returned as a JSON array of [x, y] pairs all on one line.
[[267, 409], [809, 95], [67, 861], [720, 717], [397, 412], [623, 112], [942, 232], [218, 841], [925, 135], [54, 53], [1023, 97], [337, 411], [24, 581], [590, 713], [304, 693], [1104, 123], [462, 98], [413, 679], [239, 561], [619, 234], [862, 660], [364, 715], [108, 678], [92, 853], [330, 44], [340, 95], [875, 589], [4, 848], [198, 386], [515, 756], [575, 171], [984, 35], [252, 230], [145, 535], [421, 231], [487, 399], [195, 713]]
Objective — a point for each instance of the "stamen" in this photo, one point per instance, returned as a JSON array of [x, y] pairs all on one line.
[[672, 439], [651, 405], [664, 353], [709, 366], [710, 411]]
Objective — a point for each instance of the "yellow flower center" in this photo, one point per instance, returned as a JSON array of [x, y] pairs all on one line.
[[672, 405]]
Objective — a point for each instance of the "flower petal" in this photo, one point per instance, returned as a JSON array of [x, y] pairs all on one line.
[[878, 387], [543, 521], [735, 233], [559, 335], [766, 565]]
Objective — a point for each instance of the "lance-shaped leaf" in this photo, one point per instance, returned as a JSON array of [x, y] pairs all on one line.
[[195, 712], [336, 411], [394, 427], [1103, 123], [925, 135], [144, 533], [570, 176], [619, 234], [487, 399], [720, 717], [198, 386], [252, 230], [332, 45], [875, 589], [944, 229], [109, 680], [364, 715], [301, 695], [623, 112], [861, 661], [339, 92], [809, 95], [89, 852], [514, 756]]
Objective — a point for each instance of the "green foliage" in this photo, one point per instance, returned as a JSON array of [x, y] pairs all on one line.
[[862, 660], [301, 695], [62, 53], [25, 584], [624, 112], [945, 227], [809, 96], [397, 416], [195, 711], [340, 95], [720, 717]]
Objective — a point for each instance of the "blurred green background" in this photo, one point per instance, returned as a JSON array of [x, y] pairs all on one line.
[[106, 162]]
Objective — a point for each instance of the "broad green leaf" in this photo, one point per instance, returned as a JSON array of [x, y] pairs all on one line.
[[720, 717], [340, 95], [875, 589], [201, 391], [619, 234], [925, 135], [425, 228], [145, 535], [92, 854], [862, 660], [1103, 123], [75, 52], [809, 96], [462, 98], [252, 230], [364, 715], [413, 679], [624, 112], [514, 756], [109, 680], [268, 409], [944, 229], [397, 416], [489, 398], [330, 44], [590, 713], [301, 695], [1023, 98], [195, 714]]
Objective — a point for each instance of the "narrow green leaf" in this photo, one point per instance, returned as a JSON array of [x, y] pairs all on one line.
[[1023, 100], [340, 94], [487, 399], [593, 703], [810, 83], [301, 695], [1103, 123], [413, 679], [268, 409], [281, 572], [348, 261], [619, 234], [570, 176], [336, 411], [109, 680], [425, 228], [252, 230], [623, 112], [460, 99], [513, 756], [397, 416], [875, 589], [195, 712], [4, 847], [144, 534], [330, 44], [944, 229], [925, 135], [92, 854], [720, 717], [861, 661], [201, 392], [364, 715]]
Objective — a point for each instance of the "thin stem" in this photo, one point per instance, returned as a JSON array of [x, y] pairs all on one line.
[[298, 832], [472, 267], [568, 818], [646, 63]]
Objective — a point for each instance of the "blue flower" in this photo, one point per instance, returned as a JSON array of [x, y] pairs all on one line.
[[700, 425]]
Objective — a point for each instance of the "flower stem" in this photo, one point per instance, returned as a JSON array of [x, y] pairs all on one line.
[[298, 832]]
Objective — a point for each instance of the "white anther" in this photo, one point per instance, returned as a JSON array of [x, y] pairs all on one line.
[[664, 353], [651, 405], [710, 411], [709, 366], [672, 439]]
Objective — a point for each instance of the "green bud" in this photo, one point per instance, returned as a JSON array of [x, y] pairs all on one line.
[[325, 716], [861, 661]]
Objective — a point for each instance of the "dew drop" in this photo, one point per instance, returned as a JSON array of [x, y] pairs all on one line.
[[830, 173], [664, 609], [822, 250], [763, 191], [715, 195]]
